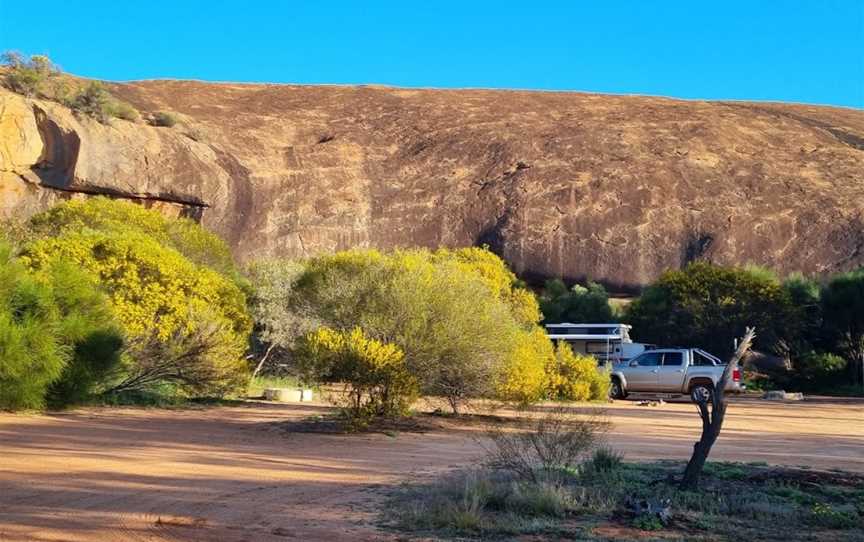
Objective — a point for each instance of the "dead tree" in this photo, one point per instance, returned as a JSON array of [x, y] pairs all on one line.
[[712, 418]]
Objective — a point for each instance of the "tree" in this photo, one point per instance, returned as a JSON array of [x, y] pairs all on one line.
[[277, 324], [803, 331], [707, 306], [843, 313], [712, 416], [155, 292], [579, 304], [57, 334], [459, 316]]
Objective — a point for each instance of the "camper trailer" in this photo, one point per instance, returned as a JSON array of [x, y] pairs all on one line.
[[603, 341]]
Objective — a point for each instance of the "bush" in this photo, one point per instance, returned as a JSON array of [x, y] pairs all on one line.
[[375, 375], [547, 447], [524, 379], [88, 326], [709, 306], [818, 370], [50, 325], [28, 77], [93, 101], [114, 216], [605, 460], [164, 119], [573, 377], [579, 304], [96, 102], [843, 313], [123, 110], [156, 293], [277, 325], [458, 326], [204, 361]]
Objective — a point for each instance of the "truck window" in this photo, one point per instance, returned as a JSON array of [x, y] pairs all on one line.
[[701, 361], [649, 359], [673, 358]]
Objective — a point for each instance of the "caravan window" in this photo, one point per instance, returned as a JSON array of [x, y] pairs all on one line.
[[598, 347]]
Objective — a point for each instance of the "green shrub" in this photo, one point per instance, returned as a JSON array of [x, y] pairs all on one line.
[[709, 306], [57, 337], [164, 119], [588, 303], [96, 102], [647, 522], [605, 460], [277, 324], [123, 110], [375, 374], [31, 356], [824, 515], [454, 318], [88, 325], [843, 312], [814, 370], [93, 101], [28, 77]]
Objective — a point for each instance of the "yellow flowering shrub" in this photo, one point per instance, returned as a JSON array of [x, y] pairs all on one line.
[[574, 377], [523, 379], [155, 292], [374, 373], [500, 279], [110, 215], [153, 288]]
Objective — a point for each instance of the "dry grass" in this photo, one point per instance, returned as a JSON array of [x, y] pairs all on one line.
[[735, 502]]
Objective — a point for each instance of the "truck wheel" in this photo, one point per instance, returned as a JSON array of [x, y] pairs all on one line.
[[616, 391], [701, 391]]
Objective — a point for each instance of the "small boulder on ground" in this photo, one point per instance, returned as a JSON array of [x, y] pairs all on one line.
[[780, 395]]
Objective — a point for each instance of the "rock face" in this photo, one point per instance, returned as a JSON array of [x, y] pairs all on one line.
[[613, 188]]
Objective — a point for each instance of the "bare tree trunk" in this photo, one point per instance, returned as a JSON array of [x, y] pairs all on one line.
[[712, 418], [263, 359]]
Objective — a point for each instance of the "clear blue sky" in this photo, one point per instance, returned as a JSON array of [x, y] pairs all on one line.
[[802, 51]]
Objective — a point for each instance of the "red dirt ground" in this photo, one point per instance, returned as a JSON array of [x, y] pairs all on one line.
[[233, 473]]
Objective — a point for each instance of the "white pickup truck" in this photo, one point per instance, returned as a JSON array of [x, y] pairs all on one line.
[[673, 371]]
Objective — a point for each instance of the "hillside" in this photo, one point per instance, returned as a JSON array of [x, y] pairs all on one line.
[[614, 188]]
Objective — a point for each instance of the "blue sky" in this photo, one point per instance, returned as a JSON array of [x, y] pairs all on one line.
[[800, 51]]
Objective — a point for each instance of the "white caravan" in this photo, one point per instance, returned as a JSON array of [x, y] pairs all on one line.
[[603, 341]]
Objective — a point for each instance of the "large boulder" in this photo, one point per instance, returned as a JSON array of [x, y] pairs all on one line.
[[613, 188]]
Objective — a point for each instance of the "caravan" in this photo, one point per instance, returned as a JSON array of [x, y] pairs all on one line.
[[606, 342]]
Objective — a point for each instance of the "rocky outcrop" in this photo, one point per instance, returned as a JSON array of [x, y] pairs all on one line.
[[614, 188]]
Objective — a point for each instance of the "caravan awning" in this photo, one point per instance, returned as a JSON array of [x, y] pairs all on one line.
[[584, 337]]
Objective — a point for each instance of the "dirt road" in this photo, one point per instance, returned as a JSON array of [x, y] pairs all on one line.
[[233, 474]]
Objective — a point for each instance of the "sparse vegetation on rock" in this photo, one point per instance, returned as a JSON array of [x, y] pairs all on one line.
[[163, 118], [39, 77], [29, 76]]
